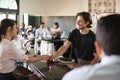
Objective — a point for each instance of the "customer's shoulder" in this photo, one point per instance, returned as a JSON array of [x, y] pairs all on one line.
[[84, 68]]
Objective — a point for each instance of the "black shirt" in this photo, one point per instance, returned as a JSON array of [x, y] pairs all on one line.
[[83, 44]]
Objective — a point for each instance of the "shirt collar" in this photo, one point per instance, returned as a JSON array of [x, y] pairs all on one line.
[[110, 59]]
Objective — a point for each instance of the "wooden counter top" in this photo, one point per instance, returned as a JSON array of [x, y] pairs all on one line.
[[73, 65]]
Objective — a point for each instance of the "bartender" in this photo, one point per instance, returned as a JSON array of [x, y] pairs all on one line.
[[82, 41]]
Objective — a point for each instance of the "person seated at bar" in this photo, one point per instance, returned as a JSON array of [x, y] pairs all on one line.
[[42, 31], [108, 49], [9, 54], [22, 30], [56, 31]]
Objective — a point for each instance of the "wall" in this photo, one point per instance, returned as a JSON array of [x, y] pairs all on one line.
[[117, 8], [52, 7], [66, 23]]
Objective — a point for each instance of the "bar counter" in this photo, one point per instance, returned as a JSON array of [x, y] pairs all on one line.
[[55, 71]]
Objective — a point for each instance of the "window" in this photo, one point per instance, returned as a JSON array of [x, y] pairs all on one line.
[[2, 16], [8, 4], [9, 9]]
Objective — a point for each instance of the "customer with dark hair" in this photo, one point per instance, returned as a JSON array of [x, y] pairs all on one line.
[[56, 31], [9, 53], [108, 49], [82, 41]]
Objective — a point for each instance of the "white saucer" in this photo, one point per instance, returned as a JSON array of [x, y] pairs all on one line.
[[67, 61]]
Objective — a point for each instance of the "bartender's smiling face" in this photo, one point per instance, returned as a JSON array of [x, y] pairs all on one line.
[[80, 23]]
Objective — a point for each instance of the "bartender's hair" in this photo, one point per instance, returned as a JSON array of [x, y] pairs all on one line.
[[108, 34], [5, 23], [86, 16]]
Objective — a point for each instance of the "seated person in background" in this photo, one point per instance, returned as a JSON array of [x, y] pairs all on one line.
[[108, 48], [42, 31], [9, 54], [30, 28], [30, 35], [56, 31], [22, 30], [34, 30]]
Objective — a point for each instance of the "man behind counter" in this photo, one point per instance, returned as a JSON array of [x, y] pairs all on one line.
[[82, 41]]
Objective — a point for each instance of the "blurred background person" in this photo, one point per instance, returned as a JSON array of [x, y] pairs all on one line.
[[34, 31], [43, 31], [56, 31], [22, 30], [30, 28]]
